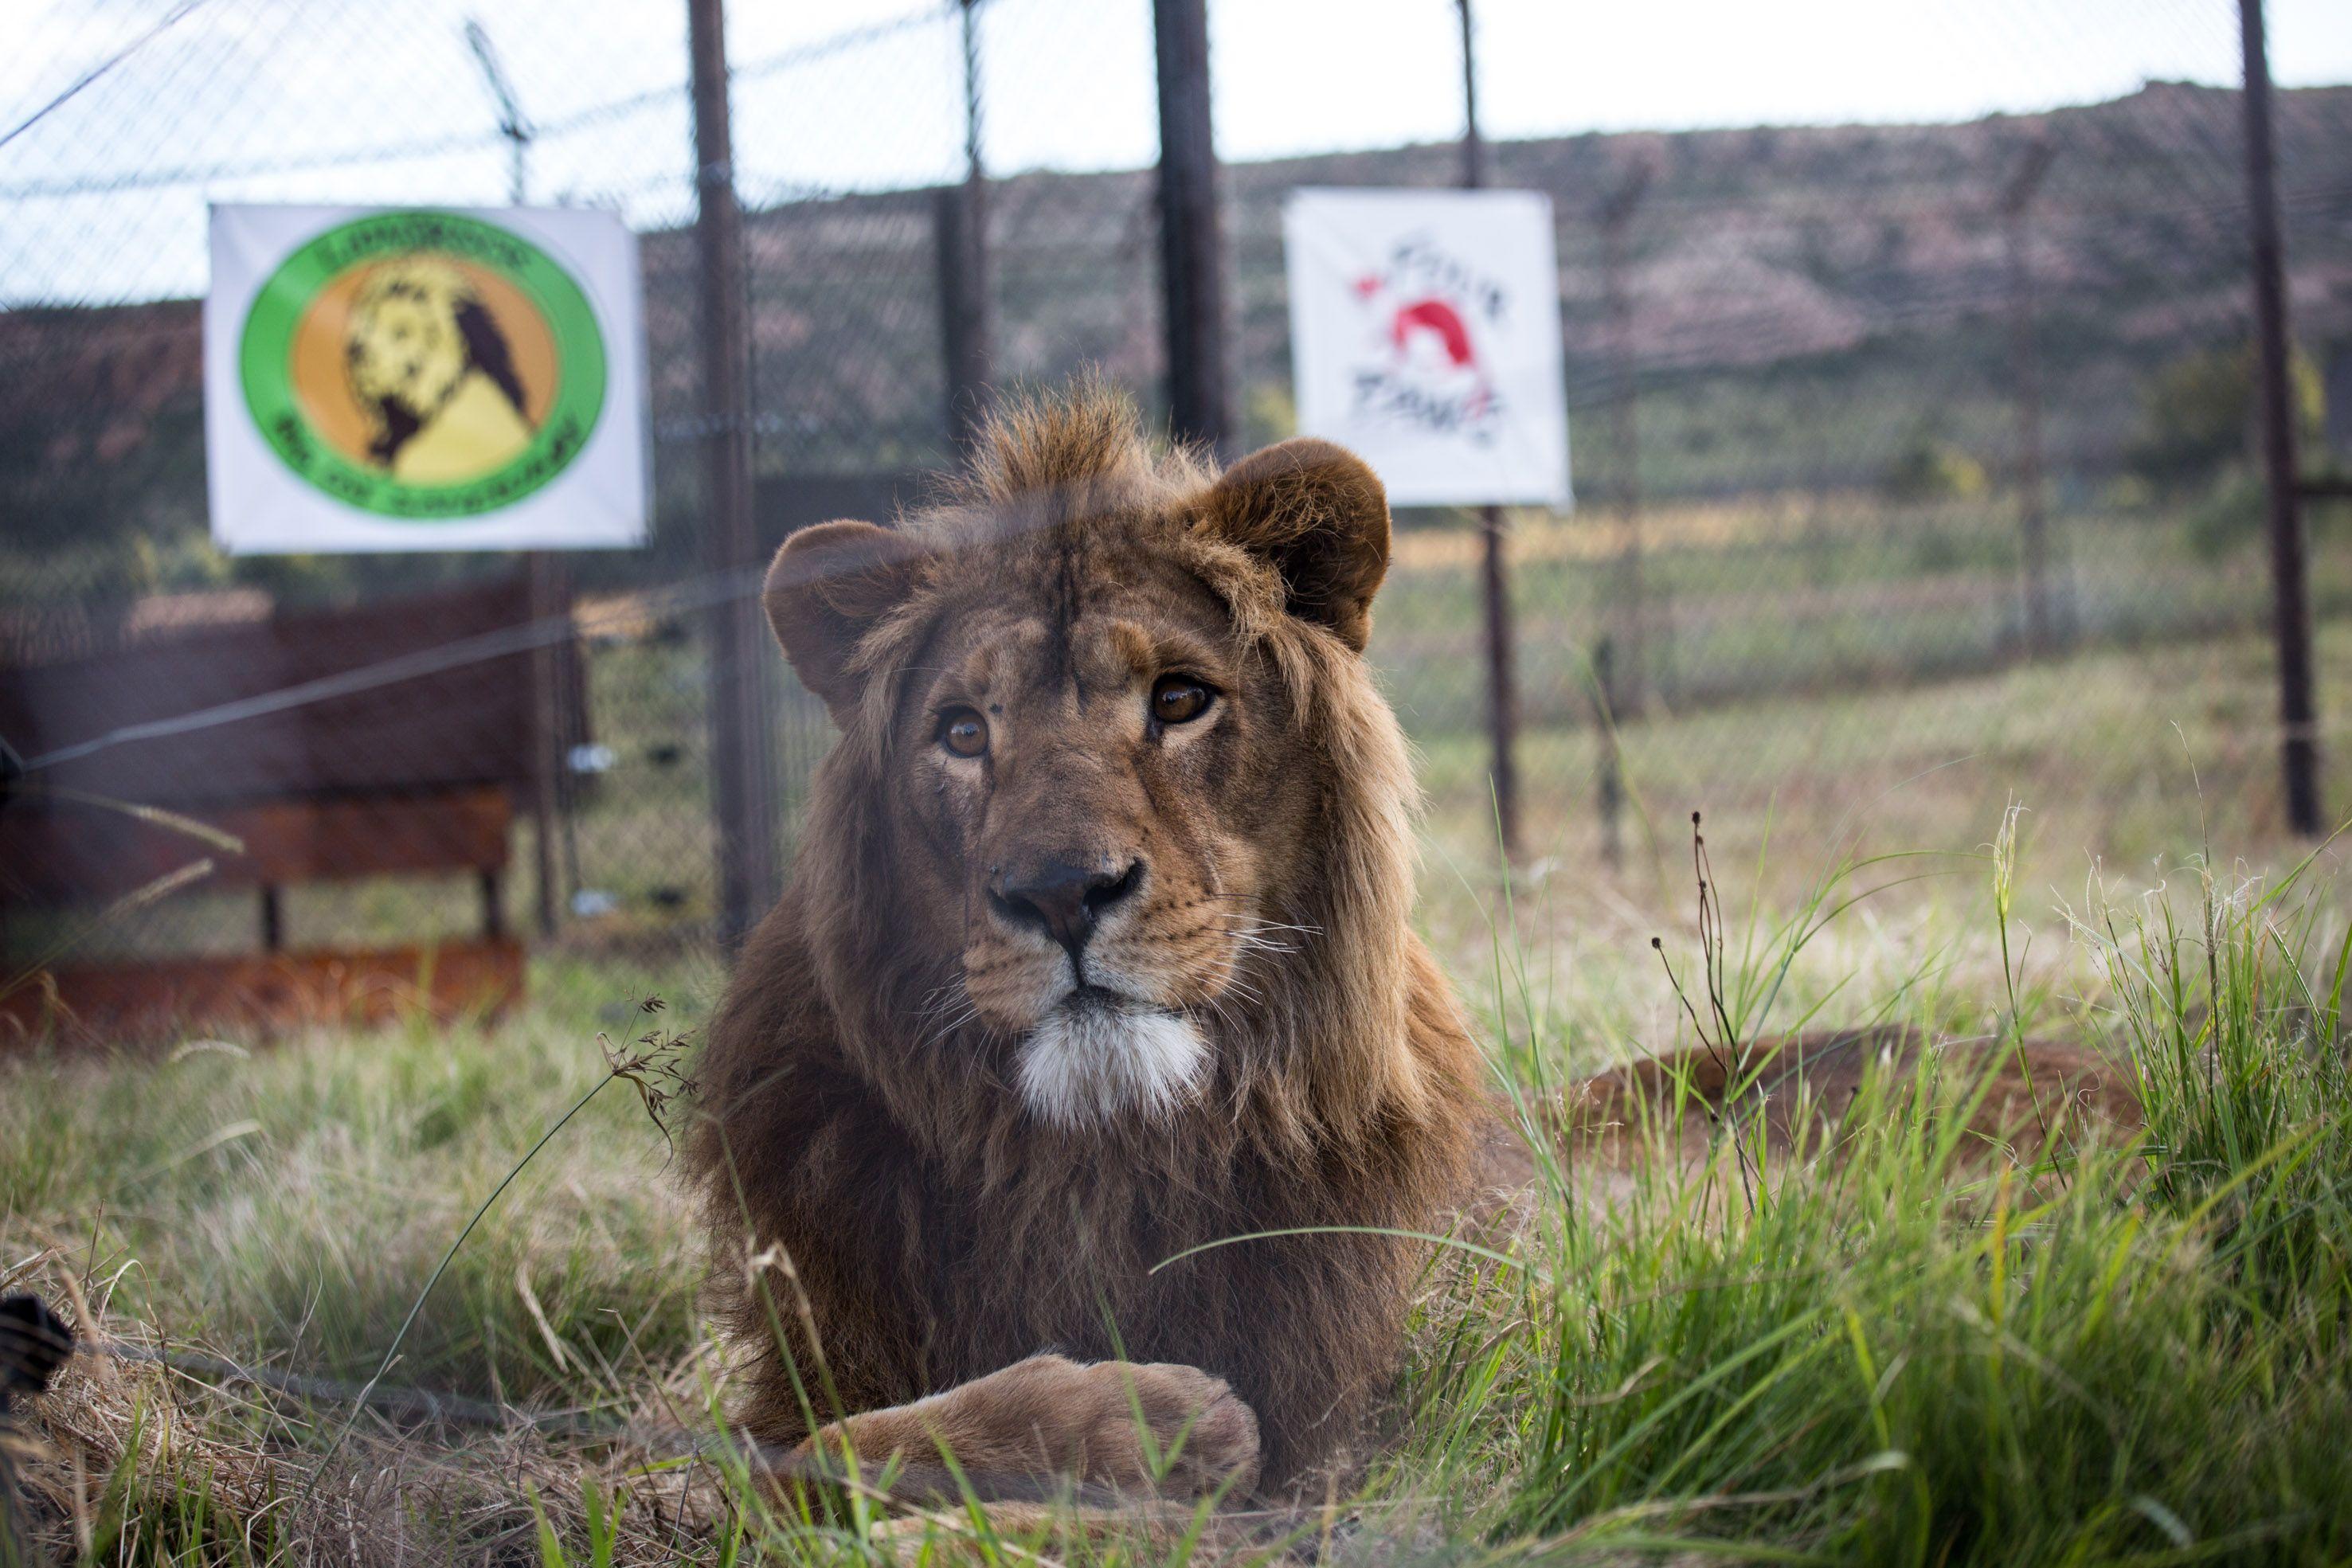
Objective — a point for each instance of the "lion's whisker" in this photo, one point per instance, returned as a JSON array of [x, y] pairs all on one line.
[[1253, 925], [1242, 987], [1251, 942]]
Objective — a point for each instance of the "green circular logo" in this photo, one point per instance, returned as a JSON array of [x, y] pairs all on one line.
[[423, 365]]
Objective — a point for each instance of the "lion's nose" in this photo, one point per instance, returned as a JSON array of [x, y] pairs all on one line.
[[1061, 900]]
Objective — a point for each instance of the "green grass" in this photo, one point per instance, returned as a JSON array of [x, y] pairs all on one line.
[[2138, 1357], [2118, 756], [2140, 1352], [287, 1204], [2136, 1354]]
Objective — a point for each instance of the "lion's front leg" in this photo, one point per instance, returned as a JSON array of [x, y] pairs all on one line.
[[1133, 1428]]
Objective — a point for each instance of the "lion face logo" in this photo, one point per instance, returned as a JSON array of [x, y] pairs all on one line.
[[428, 362]]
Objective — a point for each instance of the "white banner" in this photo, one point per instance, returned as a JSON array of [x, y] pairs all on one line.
[[397, 379], [1424, 336]]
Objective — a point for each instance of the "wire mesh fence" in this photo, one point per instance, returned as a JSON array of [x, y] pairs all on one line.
[[1895, 446]]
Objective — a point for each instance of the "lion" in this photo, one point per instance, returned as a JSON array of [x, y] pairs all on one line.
[[428, 362], [1084, 1108], [1097, 951]]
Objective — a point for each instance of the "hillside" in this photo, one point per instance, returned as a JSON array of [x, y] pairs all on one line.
[[1802, 302]]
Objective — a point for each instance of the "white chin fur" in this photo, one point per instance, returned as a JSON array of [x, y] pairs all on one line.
[[1093, 1063]]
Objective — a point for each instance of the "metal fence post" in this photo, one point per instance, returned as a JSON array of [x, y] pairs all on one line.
[[1494, 574], [1630, 614], [550, 601], [742, 767], [962, 219], [549, 587], [2032, 520], [1610, 794], [1191, 231], [964, 314], [2290, 563]]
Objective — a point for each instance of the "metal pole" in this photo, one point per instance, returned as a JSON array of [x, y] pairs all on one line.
[[1474, 146], [1502, 686], [547, 594], [1628, 611], [743, 793], [1612, 783], [1190, 232], [2289, 556], [550, 600], [1494, 575], [513, 125], [2032, 522], [962, 233]]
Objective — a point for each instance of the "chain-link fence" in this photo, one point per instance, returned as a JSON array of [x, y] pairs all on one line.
[[1898, 446]]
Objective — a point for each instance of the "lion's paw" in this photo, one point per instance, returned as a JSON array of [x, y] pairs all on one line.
[[1156, 1428], [1122, 1424], [1193, 1434]]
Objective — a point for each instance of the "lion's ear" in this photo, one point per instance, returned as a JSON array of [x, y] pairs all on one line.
[[1320, 514], [828, 585]]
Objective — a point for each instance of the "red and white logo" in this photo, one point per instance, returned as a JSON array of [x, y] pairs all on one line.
[[1424, 330], [1425, 311]]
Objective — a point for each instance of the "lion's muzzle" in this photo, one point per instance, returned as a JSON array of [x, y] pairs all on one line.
[[1064, 900]]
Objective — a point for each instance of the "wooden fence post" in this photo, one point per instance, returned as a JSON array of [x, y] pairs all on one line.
[[1192, 242], [2289, 547], [742, 762]]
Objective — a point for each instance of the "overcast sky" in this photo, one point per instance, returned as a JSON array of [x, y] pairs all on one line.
[[362, 101]]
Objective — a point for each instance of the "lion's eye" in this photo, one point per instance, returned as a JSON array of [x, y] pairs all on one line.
[[1179, 699], [963, 732]]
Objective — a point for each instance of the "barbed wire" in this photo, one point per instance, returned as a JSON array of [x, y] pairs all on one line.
[[170, 19], [419, 150]]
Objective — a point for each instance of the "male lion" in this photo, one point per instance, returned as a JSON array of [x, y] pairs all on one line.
[[1097, 955], [1096, 951]]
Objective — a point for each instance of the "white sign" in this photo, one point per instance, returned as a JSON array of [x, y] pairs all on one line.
[[416, 379], [1424, 336]]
